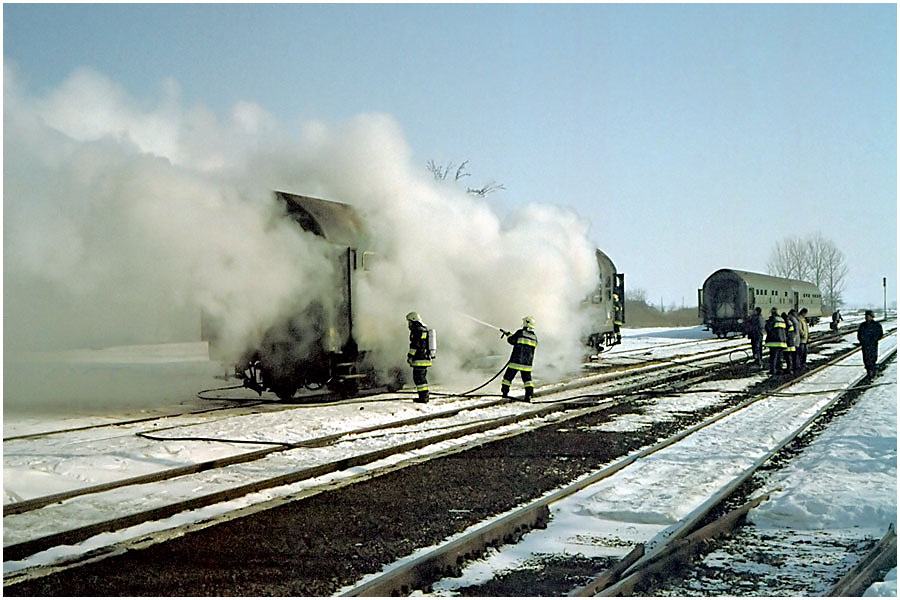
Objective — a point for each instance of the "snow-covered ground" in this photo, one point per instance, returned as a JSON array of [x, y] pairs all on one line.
[[843, 487], [837, 495], [116, 384]]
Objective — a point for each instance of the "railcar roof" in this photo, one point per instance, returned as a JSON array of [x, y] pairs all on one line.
[[602, 257], [764, 280], [336, 222]]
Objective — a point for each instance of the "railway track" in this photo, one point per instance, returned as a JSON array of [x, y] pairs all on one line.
[[34, 519], [38, 524], [621, 359], [656, 547]]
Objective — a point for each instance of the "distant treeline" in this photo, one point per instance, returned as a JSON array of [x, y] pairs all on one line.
[[639, 314]]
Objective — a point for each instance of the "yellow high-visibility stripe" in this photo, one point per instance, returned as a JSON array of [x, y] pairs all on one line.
[[519, 367], [527, 342]]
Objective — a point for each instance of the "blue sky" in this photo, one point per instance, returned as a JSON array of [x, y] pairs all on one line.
[[691, 137]]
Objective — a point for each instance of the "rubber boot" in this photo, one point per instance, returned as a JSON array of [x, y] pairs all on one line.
[[529, 392], [504, 390], [423, 397]]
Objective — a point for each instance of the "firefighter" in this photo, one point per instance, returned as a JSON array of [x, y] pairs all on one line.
[[792, 339], [776, 341], [868, 334], [618, 318], [524, 341], [419, 356], [756, 326]]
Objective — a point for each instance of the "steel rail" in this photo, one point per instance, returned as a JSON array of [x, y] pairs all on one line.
[[667, 542], [157, 476], [418, 573], [36, 503], [679, 550], [23, 549], [40, 434], [880, 558], [26, 548], [234, 404], [244, 403]]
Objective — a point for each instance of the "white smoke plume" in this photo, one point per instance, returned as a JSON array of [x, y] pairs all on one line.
[[122, 220]]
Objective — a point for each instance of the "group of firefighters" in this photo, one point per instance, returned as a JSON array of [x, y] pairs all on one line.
[[421, 352], [787, 338]]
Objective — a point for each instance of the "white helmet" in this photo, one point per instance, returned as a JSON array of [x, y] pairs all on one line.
[[528, 322], [414, 316]]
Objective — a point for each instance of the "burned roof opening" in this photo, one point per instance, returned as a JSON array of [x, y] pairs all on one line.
[[336, 222]]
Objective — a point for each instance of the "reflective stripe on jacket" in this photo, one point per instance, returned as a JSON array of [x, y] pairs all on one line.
[[524, 341], [792, 335], [776, 333], [418, 355]]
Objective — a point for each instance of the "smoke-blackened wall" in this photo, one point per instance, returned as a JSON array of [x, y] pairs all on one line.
[[123, 220]]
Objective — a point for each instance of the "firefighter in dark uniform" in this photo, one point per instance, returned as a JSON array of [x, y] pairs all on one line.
[[756, 326], [524, 341], [792, 339], [618, 317], [868, 334], [418, 357], [776, 341]]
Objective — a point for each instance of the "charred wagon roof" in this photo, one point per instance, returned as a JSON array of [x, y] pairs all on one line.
[[336, 222]]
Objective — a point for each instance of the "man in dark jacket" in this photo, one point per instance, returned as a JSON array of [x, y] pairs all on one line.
[[776, 336], [418, 357], [803, 348], [756, 326], [524, 341], [868, 335], [835, 319]]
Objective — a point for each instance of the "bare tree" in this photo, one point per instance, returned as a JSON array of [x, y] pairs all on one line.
[[636, 295], [815, 259], [790, 259], [834, 271], [491, 187], [442, 173]]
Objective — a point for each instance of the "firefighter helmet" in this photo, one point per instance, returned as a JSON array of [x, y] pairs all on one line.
[[528, 322], [414, 316]]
